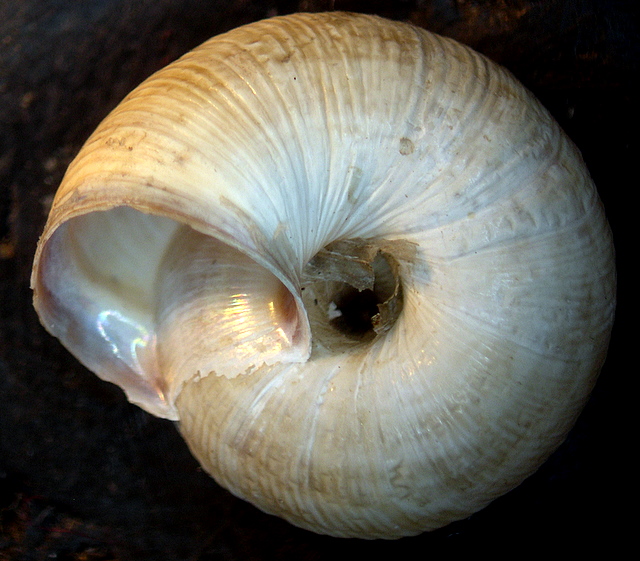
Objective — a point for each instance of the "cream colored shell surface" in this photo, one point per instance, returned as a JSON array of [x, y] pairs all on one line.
[[261, 147]]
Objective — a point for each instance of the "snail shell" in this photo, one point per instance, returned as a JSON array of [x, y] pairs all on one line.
[[220, 224]]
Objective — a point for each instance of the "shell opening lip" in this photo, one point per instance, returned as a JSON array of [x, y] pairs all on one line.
[[96, 291]]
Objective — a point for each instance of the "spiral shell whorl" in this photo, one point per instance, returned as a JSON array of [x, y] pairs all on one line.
[[281, 137], [394, 450]]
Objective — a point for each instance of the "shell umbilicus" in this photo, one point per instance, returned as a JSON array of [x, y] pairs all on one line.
[[358, 262]]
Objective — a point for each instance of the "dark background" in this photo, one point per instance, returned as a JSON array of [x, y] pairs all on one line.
[[86, 476]]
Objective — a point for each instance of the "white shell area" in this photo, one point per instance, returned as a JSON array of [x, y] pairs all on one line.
[[280, 137]]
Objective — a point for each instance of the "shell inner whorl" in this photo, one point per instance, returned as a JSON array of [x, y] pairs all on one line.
[[353, 291]]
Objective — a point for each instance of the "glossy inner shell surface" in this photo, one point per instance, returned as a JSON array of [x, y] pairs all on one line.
[[176, 263]]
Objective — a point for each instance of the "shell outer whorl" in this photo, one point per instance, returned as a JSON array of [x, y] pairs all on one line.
[[274, 141]]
